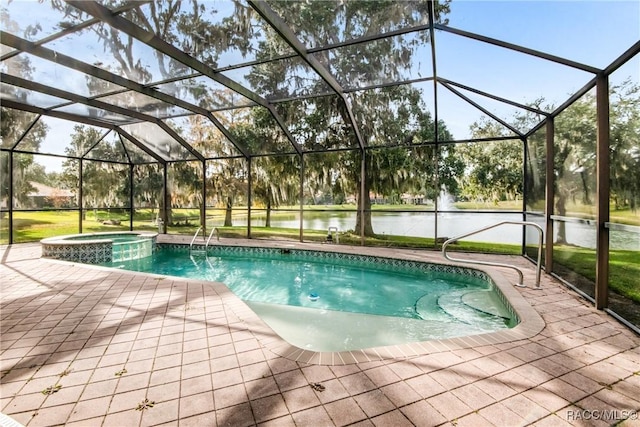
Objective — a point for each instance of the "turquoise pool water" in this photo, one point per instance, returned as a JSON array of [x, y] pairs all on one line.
[[115, 238], [342, 303]]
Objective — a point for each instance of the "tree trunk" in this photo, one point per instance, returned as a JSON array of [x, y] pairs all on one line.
[[586, 199], [366, 215], [227, 215], [268, 220], [561, 210]]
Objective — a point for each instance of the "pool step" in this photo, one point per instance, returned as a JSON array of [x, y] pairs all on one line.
[[427, 308], [453, 304], [487, 302]]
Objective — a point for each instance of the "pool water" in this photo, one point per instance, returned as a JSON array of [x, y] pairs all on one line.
[[332, 305], [115, 238]]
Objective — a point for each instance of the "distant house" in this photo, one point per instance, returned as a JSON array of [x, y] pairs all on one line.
[[44, 196], [413, 199]]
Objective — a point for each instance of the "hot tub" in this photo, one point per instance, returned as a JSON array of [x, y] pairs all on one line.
[[98, 248]]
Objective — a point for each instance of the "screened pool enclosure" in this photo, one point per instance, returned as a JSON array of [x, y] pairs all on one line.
[[376, 122]]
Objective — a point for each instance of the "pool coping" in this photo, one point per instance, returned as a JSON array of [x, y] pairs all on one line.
[[531, 323]]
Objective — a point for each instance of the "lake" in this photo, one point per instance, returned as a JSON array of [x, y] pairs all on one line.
[[450, 224]]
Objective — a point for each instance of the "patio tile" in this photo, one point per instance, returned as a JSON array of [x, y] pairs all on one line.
[[344, 411], [125, 418], [357, 383], [56, 415], [316, 416], [400, 394], [195, 385], [240, 416], [162, 412], [422, 413], [195, 404], [581, 382], [195, 369], [87, 409], [374, 403], [500, 415], [226, 378], [230, 396], [164, 376], [300, 399], [545, 398], [473, 396], [381, 376], [268, 408], [133, 382], [261, 387], [168, 392], [290, 380], [448, 378], [129, 400], [449, 405], [334, 390], [526, 408]]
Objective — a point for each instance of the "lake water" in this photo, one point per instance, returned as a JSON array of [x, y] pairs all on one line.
[[451, 224]]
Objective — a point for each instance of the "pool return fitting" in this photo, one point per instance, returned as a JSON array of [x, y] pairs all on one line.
[[497, 264]]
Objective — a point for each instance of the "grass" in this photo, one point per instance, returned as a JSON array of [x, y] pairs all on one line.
[[624, 267]]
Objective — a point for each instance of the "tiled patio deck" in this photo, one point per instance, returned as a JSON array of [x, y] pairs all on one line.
[[83, 345]]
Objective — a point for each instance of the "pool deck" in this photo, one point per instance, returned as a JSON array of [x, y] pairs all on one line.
[[89, 346]]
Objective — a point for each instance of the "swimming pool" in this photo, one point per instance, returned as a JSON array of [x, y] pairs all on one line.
[[328, 301]]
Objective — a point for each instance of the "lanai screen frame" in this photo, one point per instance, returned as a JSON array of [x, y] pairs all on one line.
[[114, 18]]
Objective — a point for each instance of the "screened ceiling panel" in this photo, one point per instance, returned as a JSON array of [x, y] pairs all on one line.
[[394, 59], [520, 118], [303, 75], [157, 140], [597, 34], [285, 78], [205, 93], [318, 24], [20, 122], [504, 72], [327, 114], [33, 68], [108, 148], [87, 111], [111, 50], [217, 33], [461, 118], [54, 137], [135, 154], [257, 128], [29, 97], [204, 136], [4, 49], [395, 115], [33, 20], [83, 138], [144, 104]]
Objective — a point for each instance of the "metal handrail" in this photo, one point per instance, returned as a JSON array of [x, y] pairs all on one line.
[[497, 264], [213, 230], [195, 236]]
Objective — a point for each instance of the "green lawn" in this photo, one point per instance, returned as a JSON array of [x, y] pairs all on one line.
[[624, 267]]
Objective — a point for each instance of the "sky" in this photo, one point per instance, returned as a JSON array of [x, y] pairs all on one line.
[[589, 32]]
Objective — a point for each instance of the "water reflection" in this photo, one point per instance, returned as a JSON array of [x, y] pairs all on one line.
[[422, 224]]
